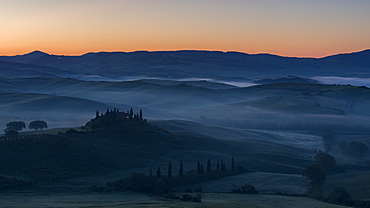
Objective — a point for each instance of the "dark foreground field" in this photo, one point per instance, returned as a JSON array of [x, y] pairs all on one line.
[[117, 200]]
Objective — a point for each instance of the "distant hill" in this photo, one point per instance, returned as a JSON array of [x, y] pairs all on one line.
[[22, 70], [359, 57], [344, 104], [56, 110], [285, 79], [175, 64]]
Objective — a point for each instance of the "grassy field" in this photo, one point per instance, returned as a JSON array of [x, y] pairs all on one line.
[[356, 183], [119, 200]]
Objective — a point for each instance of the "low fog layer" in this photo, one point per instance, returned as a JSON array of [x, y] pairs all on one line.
[[356, 81]]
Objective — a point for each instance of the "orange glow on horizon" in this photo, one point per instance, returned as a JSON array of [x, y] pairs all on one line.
[[286, 28]]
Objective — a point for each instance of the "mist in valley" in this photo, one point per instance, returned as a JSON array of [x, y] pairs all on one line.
[[272, 129]]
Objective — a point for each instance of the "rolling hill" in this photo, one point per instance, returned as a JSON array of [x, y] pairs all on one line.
[[73, 154], [21, 70], [268, 103], [56, 110]]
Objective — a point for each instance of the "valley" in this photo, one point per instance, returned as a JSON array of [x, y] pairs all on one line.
[[274, 128]]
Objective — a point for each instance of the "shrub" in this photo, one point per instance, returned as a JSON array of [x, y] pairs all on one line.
[[339, 195], [186, 197], [246, 189], [197, 198], [172, 196], [198, 189], [161, 186]]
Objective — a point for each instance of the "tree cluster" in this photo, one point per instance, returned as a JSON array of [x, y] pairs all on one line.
[[316, 173], [13, 127], [160, 184], [353, 148], [113, 117], [339, 195], [245, 189], [38, 125]]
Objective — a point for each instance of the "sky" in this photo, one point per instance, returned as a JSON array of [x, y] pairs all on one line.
[[300, 28]]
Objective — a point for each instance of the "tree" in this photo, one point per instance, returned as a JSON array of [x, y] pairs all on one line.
[[38, 125], [232, 164], [339, 195], [161, 187], [317, 177], [16, 125], [223, 167], [158, 173], [209, 166], [169, 170], [201, 169], [246, 189], [198, 168], [181, 170], [10, 132], [325, 161], [315, 174], [353, 148], [131, 113], [141, 115], [328, 138]]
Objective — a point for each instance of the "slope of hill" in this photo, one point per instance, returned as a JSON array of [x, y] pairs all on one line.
[[172, 99], [21, 70], [257, 151], [73, 154], [56, 110], [360, 57]]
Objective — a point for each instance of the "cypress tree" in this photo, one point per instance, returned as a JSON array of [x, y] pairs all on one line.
[[223, 168], [208, 166], [141, 114], [198, 168], [97, 114], [131, 113], [169, 170], [158, 173], [181, 170]]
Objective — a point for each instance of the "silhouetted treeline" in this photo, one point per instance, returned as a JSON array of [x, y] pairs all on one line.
[[13, 127], [112, 117], [159, 183], [353, 148]]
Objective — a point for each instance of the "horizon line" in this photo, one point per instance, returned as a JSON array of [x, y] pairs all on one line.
[[200, 50]]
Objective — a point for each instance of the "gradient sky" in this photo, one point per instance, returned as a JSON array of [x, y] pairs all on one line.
[[304, 28]]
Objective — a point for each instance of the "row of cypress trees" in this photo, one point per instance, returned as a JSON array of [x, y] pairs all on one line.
[[220, 166]]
